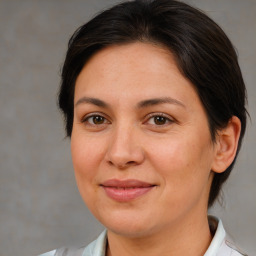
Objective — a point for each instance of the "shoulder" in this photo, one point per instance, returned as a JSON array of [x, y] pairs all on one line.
[[65, 251], [221, 244], [95, 248], [51, 253], [229, 248]]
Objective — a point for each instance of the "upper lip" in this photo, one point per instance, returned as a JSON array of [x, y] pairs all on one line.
[[129, 183]]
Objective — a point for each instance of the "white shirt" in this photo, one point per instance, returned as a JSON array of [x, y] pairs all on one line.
[[220, 245]]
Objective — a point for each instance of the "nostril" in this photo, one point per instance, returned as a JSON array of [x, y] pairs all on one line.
[[130, 163], [122, 165], [127, 164], [123, 159], [110, 162]]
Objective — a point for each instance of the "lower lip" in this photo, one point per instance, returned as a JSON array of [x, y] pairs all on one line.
[[127, 194]]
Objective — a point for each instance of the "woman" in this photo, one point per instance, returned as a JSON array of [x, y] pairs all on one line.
[[154, 104]]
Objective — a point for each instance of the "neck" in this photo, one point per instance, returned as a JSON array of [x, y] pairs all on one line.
[[182, 238]]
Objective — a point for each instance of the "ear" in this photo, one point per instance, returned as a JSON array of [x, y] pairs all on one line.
[[226, 145]]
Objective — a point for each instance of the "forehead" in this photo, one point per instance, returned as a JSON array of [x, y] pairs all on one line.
[[134, 52], [133, 68]]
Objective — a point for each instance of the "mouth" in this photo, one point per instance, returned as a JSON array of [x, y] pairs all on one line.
[[126, 190]]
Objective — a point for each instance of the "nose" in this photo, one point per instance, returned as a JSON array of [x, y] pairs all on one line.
[[124, 149]]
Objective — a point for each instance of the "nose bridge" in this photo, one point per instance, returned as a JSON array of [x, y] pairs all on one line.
[[124, 148]]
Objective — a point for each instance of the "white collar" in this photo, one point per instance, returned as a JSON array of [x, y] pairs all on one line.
[[218, 238], [98, 247]]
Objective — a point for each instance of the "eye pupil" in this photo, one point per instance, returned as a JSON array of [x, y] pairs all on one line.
[[159, 120], [98, 120]]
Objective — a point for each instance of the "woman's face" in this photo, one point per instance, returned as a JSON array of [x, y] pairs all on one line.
[[141, 146]]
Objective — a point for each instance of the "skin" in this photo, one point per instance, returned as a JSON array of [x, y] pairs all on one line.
[[127, 141]]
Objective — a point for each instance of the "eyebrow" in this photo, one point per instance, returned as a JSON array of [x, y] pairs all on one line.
[[158, 101], [141, 104], [93, 101]]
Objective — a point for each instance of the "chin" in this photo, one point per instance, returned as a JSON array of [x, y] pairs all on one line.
[[131, 231], [128, 225]]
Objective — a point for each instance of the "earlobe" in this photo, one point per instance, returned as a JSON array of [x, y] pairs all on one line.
[[226, 145]]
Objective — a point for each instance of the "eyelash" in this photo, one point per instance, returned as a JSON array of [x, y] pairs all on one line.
[[94, 115], [167, 119]]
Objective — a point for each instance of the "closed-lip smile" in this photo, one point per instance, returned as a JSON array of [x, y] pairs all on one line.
[[126, 190]]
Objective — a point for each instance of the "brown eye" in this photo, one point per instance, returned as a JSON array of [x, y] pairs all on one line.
[[95, 120], [160, 120], [98, 119]]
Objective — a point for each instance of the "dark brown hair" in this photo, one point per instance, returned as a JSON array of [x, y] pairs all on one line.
[[203, 53]]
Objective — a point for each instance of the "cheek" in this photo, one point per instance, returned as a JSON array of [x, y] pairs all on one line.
[[170, 156], [85, 153], [86, 157], [184, 164]]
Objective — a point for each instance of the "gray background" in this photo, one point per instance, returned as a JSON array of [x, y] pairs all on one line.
[[40, 205]]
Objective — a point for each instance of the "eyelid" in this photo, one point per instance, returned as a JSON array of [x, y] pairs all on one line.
[[154, 114], [169, 118], [87, 116]]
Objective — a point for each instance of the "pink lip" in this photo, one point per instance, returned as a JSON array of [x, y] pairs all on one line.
[[126, 190]]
